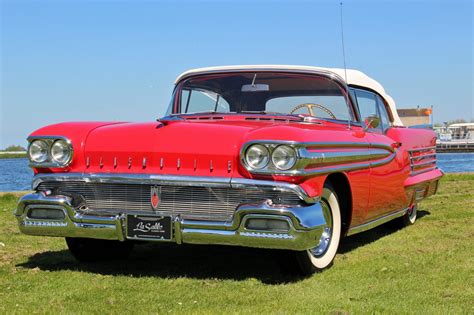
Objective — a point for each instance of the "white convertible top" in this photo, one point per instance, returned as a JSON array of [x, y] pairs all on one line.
[[354, 77]]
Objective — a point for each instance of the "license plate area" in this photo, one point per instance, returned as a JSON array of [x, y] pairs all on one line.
[[149, 227]]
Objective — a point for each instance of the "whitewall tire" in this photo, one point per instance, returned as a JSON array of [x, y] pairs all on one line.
[[322, 256], [409, 217]]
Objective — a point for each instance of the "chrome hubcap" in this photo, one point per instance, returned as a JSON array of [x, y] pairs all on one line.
[[326, 237], [412, 212]]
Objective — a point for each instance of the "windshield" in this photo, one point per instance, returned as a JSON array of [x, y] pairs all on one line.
[[263, 92]]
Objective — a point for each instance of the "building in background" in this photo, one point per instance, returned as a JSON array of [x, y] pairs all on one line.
[[415, 116]]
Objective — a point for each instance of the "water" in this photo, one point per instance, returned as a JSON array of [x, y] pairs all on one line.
[[16, 175], [456, 162]]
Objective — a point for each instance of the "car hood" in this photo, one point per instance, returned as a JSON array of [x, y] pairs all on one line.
[[201, 147], [179, 148]]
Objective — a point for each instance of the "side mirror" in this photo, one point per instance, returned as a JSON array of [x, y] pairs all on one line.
[[372, 122]]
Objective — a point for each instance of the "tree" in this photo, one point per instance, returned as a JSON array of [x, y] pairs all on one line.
[[15, 148]]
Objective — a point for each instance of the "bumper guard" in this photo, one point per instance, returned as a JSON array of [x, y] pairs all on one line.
[[306, 224]]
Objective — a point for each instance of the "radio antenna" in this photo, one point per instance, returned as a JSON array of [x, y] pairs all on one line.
[[343, 48], [345, 68]]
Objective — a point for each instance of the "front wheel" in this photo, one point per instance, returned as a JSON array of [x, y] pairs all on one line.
[[322, 256], [91, 250]]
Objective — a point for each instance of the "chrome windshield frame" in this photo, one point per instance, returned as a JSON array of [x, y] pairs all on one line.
[[352, 108]]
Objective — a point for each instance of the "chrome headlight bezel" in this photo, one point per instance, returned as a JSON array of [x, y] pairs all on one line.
[[61, 151], [50, 161], [34, 147], [270, 167], [284, 150], [255, 149]]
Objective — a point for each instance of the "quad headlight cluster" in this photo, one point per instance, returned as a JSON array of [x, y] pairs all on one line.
[[270, 157], [50, 152]]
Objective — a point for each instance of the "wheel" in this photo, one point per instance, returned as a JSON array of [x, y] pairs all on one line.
[[322, 256], [409, 217], [91, 250]]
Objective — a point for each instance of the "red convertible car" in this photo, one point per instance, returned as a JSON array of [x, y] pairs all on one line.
[[282, 157]]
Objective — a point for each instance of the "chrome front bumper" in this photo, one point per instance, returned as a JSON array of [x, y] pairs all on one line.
[[306, 224]]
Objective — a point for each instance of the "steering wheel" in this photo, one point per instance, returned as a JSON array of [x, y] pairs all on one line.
[[310, 106]]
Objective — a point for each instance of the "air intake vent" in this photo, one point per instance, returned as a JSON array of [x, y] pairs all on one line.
[[205, 118], [286, 119]]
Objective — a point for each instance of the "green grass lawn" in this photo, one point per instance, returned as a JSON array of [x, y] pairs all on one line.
[[426, 268], [12, 155]]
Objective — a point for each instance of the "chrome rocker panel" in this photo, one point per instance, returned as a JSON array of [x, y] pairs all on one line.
[[306, 224]]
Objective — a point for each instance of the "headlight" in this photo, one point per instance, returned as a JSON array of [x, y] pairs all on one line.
[[257, 156], [61, 152], [38, 151], [284, 157]]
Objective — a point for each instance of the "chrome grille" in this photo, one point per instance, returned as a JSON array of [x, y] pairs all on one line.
[[422, 160], [191, 202]]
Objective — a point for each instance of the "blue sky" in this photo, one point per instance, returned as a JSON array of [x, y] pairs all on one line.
[[117, 60]]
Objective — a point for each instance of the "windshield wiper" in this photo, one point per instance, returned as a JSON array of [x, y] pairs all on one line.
[[262, 112], [212, 112], [253, 112]]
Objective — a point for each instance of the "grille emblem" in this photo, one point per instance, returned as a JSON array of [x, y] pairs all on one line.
[[155, 197]]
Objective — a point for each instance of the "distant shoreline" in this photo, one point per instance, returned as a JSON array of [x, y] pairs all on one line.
[[7, 155]]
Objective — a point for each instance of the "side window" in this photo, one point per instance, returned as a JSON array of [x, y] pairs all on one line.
[[383, 114], [367, 105], [352, 94], [194, 101]]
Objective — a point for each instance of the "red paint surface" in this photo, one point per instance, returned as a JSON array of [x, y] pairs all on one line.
[[205, 147]]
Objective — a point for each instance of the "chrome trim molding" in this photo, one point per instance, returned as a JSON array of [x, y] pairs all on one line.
[[305, 224], [324, 162], [376, 222], [271, 185], [170, 180], [422, 160], [316, 72], [50, 141], [133, 179]]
